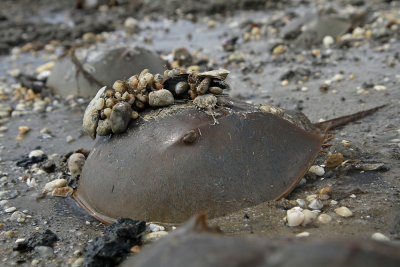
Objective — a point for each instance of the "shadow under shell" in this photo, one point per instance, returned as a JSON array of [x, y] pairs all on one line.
[[174, 162]]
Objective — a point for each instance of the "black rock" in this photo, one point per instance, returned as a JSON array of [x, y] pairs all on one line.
[[46, 238], [26, 161], [112, 248]]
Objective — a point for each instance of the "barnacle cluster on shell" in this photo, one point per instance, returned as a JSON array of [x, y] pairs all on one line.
[[111, 110]]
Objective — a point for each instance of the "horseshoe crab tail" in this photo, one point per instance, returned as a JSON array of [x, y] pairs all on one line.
[[336, 122]]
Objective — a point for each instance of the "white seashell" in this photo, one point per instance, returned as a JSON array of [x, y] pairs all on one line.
[[91, 116]]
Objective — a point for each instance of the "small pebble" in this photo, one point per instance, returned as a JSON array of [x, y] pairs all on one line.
[[18, 216], [155, 227], [35, 262], [36, 153], [303, 234], [309, 217], [11, 209], [47, 66], [76, 162], [280, 49], [120, 116], [294, 217], [23, 129], [324, 218], [380, 88], [380, 237], [335, 160], [302, 203], [153, 236], [57, 183], [317, 170], [78, 262], [316, 204], [328, 41], [10, 234], [44, 251], [70, 139], [135, 249], [161, 98], [65, 191], [343, 211]]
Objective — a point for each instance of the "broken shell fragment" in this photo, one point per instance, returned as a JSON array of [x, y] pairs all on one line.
[[91, 116]]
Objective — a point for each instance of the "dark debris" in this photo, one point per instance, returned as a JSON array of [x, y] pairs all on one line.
[[112, 248]]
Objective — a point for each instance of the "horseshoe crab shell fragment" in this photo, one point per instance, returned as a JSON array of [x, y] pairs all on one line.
[[174, 162]]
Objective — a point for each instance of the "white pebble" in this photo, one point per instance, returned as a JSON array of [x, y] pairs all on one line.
[[316, 204], [310, 198], [11, 209], [324, 218], [338, 77], [343, 211], [328, 41], [156, 228], [36, 153], [70, 139], [153, 236], [380, 88], [294, 216], [57, 183], [161, 98], [19, 240], [76, 162], [302, 203], [317, 170], [303, 234], [309, 217], [333, 202], [379, 237]]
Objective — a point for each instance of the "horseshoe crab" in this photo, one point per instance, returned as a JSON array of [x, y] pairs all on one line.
[[212, 154]]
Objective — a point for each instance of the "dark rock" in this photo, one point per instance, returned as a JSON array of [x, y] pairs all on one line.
[[112, 248], [49, 166], [26, 161], [46, 238]]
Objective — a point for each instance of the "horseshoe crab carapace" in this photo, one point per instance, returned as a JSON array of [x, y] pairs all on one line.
[[176, 161], [171, 165]]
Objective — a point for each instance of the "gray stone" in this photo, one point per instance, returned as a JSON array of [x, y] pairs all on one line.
[[45, 252], [161, 98], [104, 127], [120, 117], [8, 194], [106, 63]]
